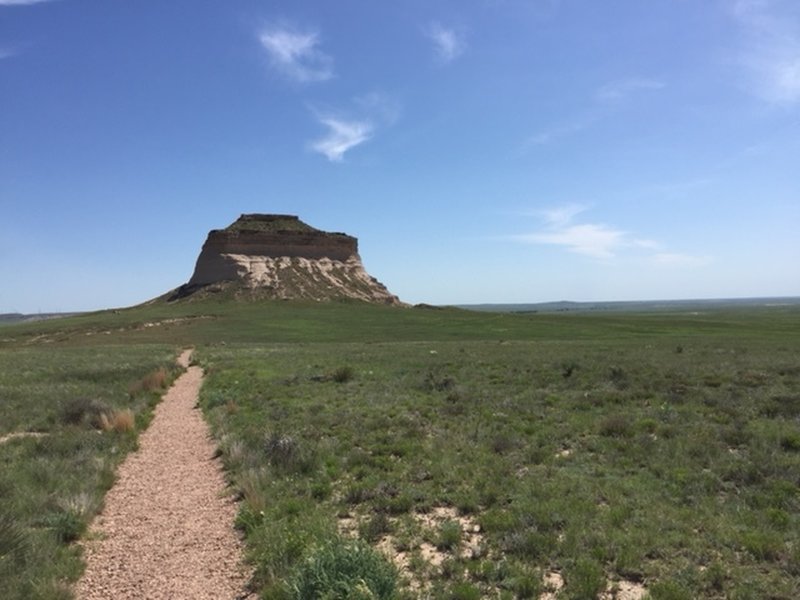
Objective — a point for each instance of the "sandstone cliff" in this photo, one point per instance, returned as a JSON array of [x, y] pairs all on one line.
[[279, 256]]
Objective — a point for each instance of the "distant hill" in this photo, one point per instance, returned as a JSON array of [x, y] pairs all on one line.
[[633, 306], [11, 318]]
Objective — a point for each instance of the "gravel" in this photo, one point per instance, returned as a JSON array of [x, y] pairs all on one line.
[[166, 530]]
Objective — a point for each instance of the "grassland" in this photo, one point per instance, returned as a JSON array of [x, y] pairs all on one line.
[[477, 455], [83, 407]]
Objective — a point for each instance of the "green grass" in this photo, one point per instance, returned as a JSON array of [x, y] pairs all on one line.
[[52, 485], [644, 464], [652, 448]]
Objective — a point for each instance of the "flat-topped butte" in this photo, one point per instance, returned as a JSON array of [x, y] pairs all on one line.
[[280, 256]]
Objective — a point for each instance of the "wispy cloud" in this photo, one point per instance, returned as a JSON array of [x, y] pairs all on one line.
[[598, 240], [6, 53], [771, 53], [296, 54], [603, 101], [447, 43], [619, 90], [561, 215], [589, 239], [380, 107], [561, 130], [350, 128], [342, 136]]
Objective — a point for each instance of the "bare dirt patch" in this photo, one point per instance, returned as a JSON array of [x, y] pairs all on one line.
[[167, 530], [20, 434]]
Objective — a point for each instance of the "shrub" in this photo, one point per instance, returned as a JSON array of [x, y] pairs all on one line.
[[449, 535], [568, 368], [715, 577], [787, 407], [585, 580], [762, 545], [465, 591], [502, 443], [86, 412], [528, 543], [285, 454], [67, 525], [669, 590], [342, 570], [374, 528], [526, 585], [618, 377], [434, 382], [343, 374], [616, 426], [791, 441]]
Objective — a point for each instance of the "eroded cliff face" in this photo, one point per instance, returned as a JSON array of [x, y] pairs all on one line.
[[279, 256]]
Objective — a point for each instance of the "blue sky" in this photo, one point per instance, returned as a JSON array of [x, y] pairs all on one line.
[[481, 151]]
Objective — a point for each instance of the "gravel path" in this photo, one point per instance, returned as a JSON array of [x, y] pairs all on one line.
[[166, 531]]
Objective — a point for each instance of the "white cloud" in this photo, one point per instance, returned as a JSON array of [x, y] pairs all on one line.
[[597, 241], [6, 53], [771, 53], [347, 129], [619, 90], [447, 43], [560, 216], [342, 136], [600, 241], [590, 239], [296, 54]]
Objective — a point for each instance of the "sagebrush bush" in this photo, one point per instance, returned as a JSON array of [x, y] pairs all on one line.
[[287, 455], [616, 426], [374, 528], [86, 412], [344, 570], [568, 368], [434, 382], [343, 374]]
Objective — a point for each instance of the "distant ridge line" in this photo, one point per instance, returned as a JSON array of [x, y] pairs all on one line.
[[636, 305]]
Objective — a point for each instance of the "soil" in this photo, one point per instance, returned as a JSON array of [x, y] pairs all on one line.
[[166, 530], [19, 435]]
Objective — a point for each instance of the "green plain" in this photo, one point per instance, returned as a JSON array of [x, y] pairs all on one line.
[[659, 449]]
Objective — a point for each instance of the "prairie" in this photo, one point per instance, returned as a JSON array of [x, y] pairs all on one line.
[[456, 454]]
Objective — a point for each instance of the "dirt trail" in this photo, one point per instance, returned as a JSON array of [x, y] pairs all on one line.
[[166, 531]]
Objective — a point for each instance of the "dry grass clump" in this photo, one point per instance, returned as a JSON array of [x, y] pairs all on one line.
[[119, 420], [155, 381]]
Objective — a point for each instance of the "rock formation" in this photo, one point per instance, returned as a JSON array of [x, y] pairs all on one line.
[[279, 256]]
